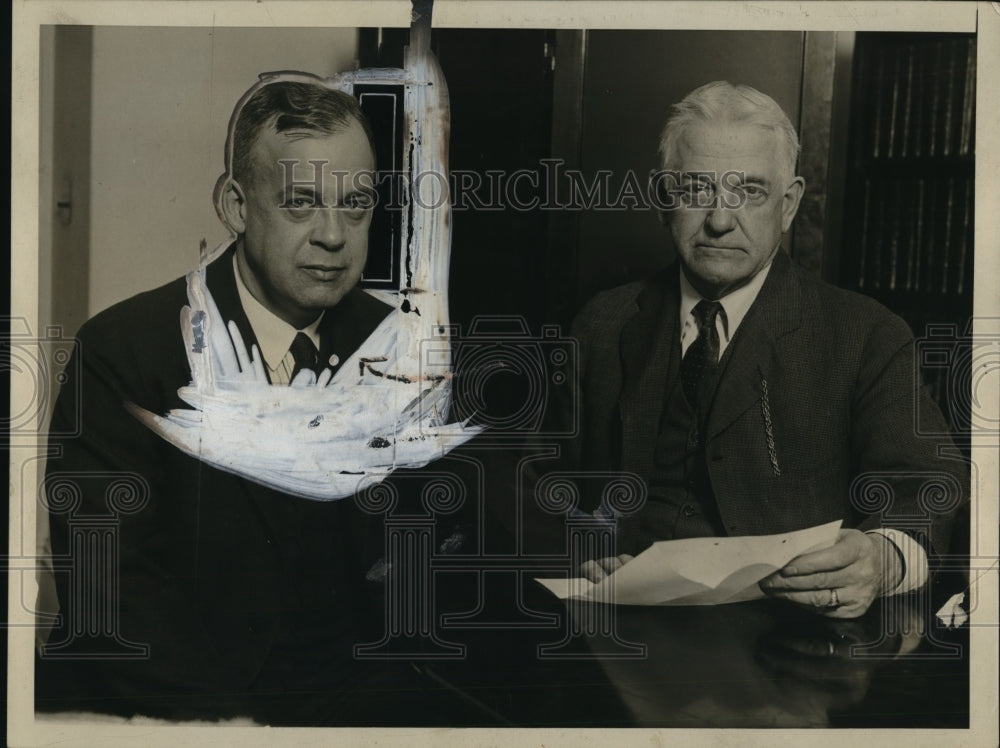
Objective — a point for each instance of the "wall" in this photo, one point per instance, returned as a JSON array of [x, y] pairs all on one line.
[[631, 78], [161, 103]]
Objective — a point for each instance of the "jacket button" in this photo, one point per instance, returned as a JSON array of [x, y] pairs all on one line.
[[688, 510], [252, 629], [269, 541]]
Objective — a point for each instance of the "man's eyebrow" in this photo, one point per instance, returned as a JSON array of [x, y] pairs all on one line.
[[753, 179]]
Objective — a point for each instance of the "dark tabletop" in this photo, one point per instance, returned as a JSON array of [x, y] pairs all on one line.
[[754, 664]]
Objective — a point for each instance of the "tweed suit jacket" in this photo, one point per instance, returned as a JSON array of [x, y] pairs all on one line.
[[816, 389], [205, 565]]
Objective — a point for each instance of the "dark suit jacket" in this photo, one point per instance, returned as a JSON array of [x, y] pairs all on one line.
[[840, 389], [211, 565]]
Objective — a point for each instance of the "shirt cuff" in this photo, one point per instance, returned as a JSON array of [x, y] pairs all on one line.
[[914, 559]]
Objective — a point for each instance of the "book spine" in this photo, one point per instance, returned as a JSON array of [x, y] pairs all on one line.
[[963, 247], [877, 253], [911, 245], [918, 234], [946, 253], [949, 107], [890, 150], [936, 98], [919, 103], [894, 240], [969, 100], [907, 101], [931, 234], [877, 133], [863, 253]]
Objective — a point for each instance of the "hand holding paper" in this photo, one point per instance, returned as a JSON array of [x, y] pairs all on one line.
[[855, 570], [697, 571]]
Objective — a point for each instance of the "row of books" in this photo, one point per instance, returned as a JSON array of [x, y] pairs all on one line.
[[916, 235], [920, 96]]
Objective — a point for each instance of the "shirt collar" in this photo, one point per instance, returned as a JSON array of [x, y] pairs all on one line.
[[735, 304], [274, 335]]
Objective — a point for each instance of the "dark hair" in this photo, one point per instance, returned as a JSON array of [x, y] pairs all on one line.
[[290, 105]]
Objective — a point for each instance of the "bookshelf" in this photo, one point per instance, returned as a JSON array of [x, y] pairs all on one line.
[[908, 235]]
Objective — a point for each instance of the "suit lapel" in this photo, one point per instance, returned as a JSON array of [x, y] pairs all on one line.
[[647, 348], [222, 284], [345, 327], [751, 356]]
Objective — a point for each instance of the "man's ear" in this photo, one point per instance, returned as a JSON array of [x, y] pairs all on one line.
[[233, 204], [790, 202]]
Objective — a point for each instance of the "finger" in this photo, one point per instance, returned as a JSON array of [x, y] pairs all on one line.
[[592, 571], [824, 580], [843, 553], [625, 558], [610, 564], [814, 599], [852, 602]]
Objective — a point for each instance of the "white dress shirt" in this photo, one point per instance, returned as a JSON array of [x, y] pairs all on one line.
[[274, 335], [735, 306]]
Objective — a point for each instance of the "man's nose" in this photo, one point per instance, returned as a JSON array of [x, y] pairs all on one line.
[[328, 229], [720, 220]]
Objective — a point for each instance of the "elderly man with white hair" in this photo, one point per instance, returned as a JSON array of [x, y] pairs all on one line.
[[752, 397]]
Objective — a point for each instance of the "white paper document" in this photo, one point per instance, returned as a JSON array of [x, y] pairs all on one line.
[[697, 571]]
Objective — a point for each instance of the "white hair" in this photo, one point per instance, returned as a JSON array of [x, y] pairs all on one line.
[[722, 101]]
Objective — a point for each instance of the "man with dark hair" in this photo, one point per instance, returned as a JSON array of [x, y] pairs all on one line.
[[752, 397], [248, 601], [287, 106]]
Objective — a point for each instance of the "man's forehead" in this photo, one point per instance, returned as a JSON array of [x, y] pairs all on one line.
[[348, 143], [735, 142]]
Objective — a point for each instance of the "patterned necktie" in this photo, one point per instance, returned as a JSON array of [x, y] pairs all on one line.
[[305, 354], [703, 354]]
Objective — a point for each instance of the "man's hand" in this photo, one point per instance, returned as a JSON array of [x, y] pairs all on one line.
[[840, 581], [595, 571]]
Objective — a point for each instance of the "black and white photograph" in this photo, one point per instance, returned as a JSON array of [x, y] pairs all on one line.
[[543, 373]]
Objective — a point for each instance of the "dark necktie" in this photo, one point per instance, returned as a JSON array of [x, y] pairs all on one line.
[[703, 354], [305, 354]]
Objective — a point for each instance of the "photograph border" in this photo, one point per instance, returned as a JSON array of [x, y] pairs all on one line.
[[982, 18]]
